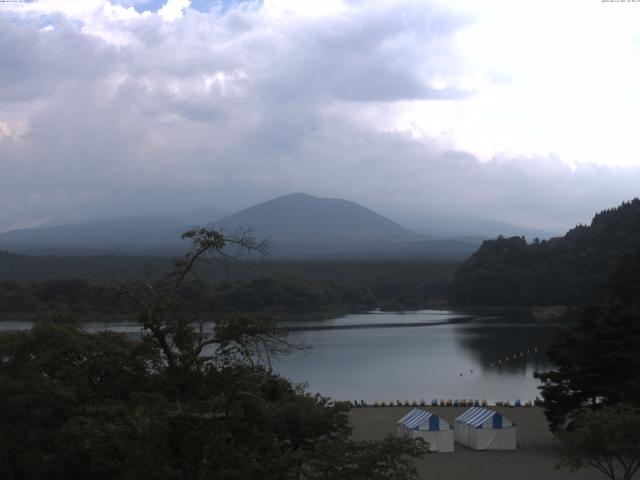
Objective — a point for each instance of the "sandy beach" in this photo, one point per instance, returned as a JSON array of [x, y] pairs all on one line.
[[535, 459]]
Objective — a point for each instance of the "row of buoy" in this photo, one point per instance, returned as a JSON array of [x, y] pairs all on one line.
[[508, 358], [514, 357], [446, 403]]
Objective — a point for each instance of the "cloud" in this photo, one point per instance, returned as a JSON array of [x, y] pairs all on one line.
[[36, 61], [115, 109], [174, 9]]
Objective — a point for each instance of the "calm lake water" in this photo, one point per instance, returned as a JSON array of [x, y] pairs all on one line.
[[426, 354], [420, 355]]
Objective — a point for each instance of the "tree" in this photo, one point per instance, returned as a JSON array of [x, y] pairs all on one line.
[[572, 269], [69, 400], [607, 439], [177, 404], [597, 361], [591, 399], [167, 319], [388, 459]]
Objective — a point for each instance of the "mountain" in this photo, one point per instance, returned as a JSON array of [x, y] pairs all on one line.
[[573, 269], [453, 227], [299, 226], [476, 227], [303, 217], [199, 216], [302, 226], [135, 234]]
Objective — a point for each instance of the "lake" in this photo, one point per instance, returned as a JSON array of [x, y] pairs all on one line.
[[385, 356], [420, 355]]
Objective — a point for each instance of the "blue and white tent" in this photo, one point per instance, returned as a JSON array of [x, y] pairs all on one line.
[[420, 423], [483, 429]]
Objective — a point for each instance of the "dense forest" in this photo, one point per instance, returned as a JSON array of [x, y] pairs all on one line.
[[572, 270], [598, 358], [275, 288]]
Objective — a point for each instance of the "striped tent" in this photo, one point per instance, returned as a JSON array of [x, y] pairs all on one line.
[[420, 423], [483, 429]]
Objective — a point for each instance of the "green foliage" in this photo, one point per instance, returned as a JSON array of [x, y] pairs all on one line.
[[597, 361], [65, 400], [175, 404], [390, 458], [607, 439], [271, 288], [569, 270], [288, 295]]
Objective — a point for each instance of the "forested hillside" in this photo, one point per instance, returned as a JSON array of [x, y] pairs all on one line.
[[277, 288], [573, 269]]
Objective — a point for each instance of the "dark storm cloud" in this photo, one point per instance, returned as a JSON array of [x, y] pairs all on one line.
[[231, 107]]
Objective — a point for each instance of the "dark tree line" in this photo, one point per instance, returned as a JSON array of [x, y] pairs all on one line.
[[262, 294], [598, 359], [573, 269], [592, 397], [268, 295]]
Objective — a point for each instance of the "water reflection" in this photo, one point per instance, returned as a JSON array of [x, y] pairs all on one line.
[[417, 355], [380, 319], [512, 344], [434, 360]]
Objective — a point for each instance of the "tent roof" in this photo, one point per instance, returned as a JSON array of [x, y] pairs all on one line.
[[476, 416], [415, 418]]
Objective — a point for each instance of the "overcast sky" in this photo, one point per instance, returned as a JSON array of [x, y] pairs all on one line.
[[522, 111]]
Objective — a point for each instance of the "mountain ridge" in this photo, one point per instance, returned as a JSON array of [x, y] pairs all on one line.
[[298, 224], [100, 235], [300, 215]]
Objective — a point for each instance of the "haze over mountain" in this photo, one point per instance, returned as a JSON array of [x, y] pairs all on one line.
[[298, 225], [303, 217], [132, 234], [478, 228]]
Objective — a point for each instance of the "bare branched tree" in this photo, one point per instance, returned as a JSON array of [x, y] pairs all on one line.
[[169, 320]]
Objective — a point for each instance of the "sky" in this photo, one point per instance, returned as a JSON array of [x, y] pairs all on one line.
[[526, 112]]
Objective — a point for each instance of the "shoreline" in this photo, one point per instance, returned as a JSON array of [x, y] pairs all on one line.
[[535, 458]]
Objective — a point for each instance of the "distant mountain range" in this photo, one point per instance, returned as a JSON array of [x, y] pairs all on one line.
[[452, 227], [298, 225], [139, 234]]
